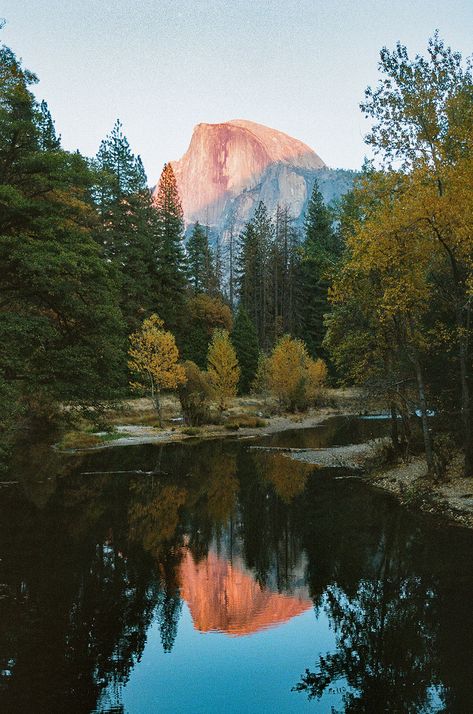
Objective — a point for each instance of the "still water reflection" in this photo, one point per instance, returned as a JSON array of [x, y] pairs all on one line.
[[225, 580]]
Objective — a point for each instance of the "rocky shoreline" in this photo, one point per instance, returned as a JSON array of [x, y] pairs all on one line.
[[451, 499]]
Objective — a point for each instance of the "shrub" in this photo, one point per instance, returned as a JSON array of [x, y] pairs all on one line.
[[191, 431], [194, 395], [287, 373], [293, 377], [79, 440]]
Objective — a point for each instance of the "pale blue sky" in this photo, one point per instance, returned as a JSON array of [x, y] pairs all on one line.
[[163, 66]]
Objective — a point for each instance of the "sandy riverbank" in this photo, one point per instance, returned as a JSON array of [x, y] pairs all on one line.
[[452, 498], [134, 421], [136, 434]]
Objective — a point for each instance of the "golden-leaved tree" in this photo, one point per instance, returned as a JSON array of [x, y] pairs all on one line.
[[154, 356], [422, 113], [223, 368], [317, 374], [286, 371], [412, 251], [294, 377]]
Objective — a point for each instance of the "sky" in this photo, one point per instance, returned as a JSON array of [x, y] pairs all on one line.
[[163, 66]]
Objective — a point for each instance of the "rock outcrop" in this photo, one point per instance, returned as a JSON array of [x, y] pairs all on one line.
[[229, 167]]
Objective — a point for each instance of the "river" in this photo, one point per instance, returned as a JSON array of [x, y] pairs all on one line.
[[208, 577]]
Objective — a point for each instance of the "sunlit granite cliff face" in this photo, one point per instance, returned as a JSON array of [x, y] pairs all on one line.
[[224, 598], [229, 167]]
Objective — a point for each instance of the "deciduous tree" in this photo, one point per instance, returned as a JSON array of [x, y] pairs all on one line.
[[194, 395], [223, 368], [204, 315], [287, 372], [154, 356]]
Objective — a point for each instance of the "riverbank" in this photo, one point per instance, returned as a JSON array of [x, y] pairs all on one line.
[[450, 499], [254, 417], [134, 422]]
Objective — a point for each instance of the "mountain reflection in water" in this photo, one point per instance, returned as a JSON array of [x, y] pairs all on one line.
[[222, 597], [109, 582]]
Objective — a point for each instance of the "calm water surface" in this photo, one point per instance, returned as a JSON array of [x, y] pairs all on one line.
[[226, 580]]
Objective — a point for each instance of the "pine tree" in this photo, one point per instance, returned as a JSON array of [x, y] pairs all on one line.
[[200, 262], [228, 258], [48, 139], [58, 320], [216, 273], [125, 207], [284, 261], [245, 342], [319, 254], [254, 277], [171, 275]]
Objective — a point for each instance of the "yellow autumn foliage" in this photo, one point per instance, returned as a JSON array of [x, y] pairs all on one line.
[[293, 376], [317, 374], [287, 371], [154, 356], [223, 368]]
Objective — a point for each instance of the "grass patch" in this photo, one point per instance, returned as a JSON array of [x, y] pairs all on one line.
[[84, 440], [79, 440], [191, 430], [245, 421], [113, 436], [145, 418]]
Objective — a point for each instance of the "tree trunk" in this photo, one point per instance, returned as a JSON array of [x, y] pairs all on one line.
[[406, 426], [394, 429], [157, 404], [429, 454], [465, 395], [466, 420]]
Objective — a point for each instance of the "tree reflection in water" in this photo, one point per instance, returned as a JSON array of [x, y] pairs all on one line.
[[89, 564], [385, 644], [381, 583]]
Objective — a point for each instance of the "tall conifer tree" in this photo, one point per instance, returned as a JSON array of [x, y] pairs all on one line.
[[201, 262], [58, 319], [171, 271], [124, 202], [245, 342], [254, 275], [319, 252]]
